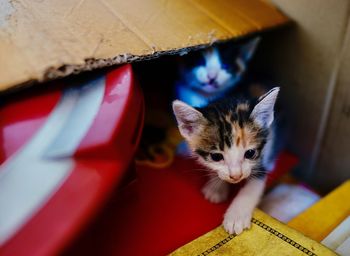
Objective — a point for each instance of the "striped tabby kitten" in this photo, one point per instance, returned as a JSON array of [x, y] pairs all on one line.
[[233, 138]]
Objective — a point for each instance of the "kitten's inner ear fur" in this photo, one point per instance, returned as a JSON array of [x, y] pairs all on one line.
[[262, 113], [188, 118]]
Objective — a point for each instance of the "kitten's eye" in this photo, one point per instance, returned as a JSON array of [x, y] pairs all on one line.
[[250, 154], [216, 157], [224, 66]]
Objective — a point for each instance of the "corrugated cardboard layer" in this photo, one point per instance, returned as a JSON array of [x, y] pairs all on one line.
[[42, 40]]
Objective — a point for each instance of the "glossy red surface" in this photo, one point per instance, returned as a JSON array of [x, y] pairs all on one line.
[[159, 212], [119, 128], [21, 118], [96, 172]]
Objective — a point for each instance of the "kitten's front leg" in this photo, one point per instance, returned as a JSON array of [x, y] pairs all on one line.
[[216, 190], [239, 214]]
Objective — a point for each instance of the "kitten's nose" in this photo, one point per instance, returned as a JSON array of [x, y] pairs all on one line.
[[236, 176], [212, 80], [212, 76]]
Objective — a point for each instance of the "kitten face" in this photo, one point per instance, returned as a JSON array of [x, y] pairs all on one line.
[[213, 75], [229, 136], [218, 68]]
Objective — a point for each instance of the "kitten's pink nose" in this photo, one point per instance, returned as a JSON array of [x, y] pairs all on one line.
[[236, 176]]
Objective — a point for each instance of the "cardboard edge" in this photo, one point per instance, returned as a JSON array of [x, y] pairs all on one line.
[[52, 73]]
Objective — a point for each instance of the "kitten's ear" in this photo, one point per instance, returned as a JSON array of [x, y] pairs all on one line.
[[248, 49], [188, 118], [263, 111]]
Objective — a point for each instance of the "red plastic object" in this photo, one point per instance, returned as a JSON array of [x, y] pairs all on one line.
[[97, 140], [159, 212], [21, 118]]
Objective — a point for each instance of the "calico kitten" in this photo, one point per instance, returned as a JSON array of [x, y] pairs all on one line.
[[209, 74], [233, 139]]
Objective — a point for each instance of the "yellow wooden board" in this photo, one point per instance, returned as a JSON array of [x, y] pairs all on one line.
[[325, 215], [267, 237]]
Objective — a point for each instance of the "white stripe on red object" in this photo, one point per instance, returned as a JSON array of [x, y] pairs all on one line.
[[28, 179], [79, 120]]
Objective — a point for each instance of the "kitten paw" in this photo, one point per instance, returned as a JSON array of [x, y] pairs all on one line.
[[216, 192], [237, 219]]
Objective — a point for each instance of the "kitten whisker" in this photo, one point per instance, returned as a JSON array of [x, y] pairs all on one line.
[[256, 175]]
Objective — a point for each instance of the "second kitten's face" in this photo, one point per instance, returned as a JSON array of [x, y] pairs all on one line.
[[228, 137], [217, 68]]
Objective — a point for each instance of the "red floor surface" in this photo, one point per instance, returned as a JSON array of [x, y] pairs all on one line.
[[160, 211]]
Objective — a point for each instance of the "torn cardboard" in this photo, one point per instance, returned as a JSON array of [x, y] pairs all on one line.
[[43, 40]]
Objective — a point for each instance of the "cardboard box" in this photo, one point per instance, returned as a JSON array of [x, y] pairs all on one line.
[[44, 40], [311, 62]]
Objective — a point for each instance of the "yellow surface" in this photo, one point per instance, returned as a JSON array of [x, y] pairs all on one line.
[[42, 40], [321, 218], [267, 237]]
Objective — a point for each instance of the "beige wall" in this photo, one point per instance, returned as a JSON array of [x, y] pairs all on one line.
[[303, 59], [334, 159]]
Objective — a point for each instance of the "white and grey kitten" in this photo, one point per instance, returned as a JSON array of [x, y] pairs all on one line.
[[233, 139], [209, 74]]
